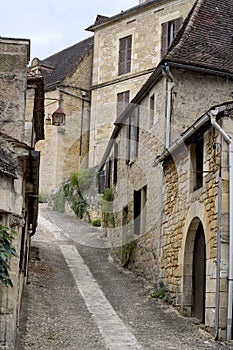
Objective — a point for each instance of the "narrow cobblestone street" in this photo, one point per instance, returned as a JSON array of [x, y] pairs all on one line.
[[78, 299]]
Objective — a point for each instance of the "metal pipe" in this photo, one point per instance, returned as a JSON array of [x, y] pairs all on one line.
[[218, 254], [228, 139], [170, 85]]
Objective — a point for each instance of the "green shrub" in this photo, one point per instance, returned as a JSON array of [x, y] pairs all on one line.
[[107, 210], [59, 200], [96, 222], [163, 295], [128, 246], [43, 198], [73, 191], [6, 251]]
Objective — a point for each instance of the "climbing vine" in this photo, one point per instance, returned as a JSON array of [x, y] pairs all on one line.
[[74, 191], [6, 251]]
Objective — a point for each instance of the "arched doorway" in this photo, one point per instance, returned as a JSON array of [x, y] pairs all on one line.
[[194, 277], [199, 275]]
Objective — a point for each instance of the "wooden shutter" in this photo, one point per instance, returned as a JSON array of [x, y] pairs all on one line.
[[122, 102], [125, 48], [166, 34], [164, 39], [108, 173], [128, 136], [115, 164], [136, 131], [101, 181], [178, 23]]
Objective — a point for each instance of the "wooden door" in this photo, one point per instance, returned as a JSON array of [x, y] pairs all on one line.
[[199, 275]]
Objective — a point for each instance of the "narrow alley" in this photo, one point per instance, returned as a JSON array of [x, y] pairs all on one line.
[[77, 298]]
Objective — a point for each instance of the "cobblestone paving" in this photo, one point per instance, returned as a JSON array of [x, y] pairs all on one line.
[[56, 314]]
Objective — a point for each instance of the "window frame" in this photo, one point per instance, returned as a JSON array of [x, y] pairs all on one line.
[[125, 55], [122, 101], [169, 30], [197, 163]]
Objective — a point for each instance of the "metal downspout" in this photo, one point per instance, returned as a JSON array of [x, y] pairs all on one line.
[[230, 278], [218, 255], [170, 85]]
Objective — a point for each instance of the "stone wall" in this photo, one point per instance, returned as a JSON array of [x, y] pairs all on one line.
[[145, 28], [14, 206], [163, 251], [60, 151], [14, 56], [193, 94]]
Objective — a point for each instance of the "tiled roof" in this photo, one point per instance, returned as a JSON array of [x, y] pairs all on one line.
[[66, 60], [206, 38], [105, 19]]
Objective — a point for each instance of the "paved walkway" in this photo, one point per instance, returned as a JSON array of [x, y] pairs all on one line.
[[78, 299]]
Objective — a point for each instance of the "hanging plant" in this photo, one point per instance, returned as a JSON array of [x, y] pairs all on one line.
[[6, 251]]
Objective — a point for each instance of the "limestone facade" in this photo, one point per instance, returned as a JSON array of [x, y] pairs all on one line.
[[143, 23], [167, 163], [19, 171], [172, 210], [65, 148]]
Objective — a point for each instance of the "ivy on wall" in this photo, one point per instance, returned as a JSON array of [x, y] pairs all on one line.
[[6, 251], [73, 192]]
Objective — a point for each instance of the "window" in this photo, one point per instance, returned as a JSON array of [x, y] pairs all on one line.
[[169, 31], [197, 150], [108, 173], [132, 136], [140, 198], [125, 215], [115, 163], [101, 181], [152, 109], [122, 101], [125, 47]]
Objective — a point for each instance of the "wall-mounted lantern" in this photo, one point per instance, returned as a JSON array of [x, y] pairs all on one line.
[[58, 117]]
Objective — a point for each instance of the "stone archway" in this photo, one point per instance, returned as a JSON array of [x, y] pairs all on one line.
[[194, 277]]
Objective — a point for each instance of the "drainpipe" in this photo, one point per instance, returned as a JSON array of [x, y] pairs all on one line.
[[228, 139], [170, 85], [218, 255]]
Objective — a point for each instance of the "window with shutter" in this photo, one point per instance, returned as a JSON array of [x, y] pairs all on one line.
[[197, 159], [115, 164], [125, 48], [136, 132], [108, 173], [169, 31], [122, 101], [128, 137]]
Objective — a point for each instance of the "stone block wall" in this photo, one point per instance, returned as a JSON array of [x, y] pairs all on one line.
[[60, 151], [145, 28], [182, 207], [193, 94], [14, 56]]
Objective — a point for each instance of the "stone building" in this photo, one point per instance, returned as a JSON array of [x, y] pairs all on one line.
[[163, 161], [127, 48], [67, 75], [19, 170]]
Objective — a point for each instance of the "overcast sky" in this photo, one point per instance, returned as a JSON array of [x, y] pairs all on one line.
[[53, 25]]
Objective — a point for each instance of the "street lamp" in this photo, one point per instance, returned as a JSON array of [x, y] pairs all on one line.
[[58, 117]]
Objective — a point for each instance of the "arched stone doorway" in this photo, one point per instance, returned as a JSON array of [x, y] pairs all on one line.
[[194, 281]]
